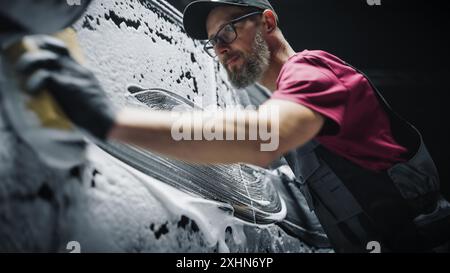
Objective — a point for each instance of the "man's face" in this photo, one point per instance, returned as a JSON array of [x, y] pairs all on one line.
[[247, 57]]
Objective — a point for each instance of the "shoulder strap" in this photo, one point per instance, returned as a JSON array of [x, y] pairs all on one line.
[[404, 132]]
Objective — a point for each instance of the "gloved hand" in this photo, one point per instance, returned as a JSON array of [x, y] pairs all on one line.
[[73, 86]]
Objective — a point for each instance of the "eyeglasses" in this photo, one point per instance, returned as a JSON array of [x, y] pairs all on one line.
[[226, 34]]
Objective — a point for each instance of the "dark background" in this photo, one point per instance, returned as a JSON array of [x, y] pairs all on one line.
[[402, 46]]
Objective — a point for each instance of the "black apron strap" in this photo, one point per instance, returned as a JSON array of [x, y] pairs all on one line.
[[417, 179], [345, 222]]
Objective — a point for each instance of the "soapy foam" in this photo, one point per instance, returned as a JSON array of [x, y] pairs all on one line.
[[213, 218]]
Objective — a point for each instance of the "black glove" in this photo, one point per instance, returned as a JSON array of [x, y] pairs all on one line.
[[74, 87]]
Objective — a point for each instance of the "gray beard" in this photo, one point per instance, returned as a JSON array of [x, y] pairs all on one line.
[[255, 64]]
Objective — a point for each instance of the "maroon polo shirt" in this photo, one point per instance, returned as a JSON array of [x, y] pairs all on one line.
[[357, 127]]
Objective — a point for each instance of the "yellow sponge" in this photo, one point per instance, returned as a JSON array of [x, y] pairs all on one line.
[[43, 104]]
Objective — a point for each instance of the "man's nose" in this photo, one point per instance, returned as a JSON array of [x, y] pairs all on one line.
[[221, 49]]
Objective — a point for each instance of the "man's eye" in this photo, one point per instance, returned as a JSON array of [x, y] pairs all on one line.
[[228, 28]]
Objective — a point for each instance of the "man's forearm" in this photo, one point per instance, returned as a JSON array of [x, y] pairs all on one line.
[[154, 130]]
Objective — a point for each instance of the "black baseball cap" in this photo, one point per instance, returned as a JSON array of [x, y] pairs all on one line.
[[196, 13]]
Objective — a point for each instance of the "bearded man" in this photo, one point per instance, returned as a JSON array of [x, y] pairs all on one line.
[[364, 170]]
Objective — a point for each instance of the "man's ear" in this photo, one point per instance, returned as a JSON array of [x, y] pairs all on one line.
[[271, 20]]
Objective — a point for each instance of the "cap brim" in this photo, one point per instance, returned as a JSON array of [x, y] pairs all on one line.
[[195, 15]]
